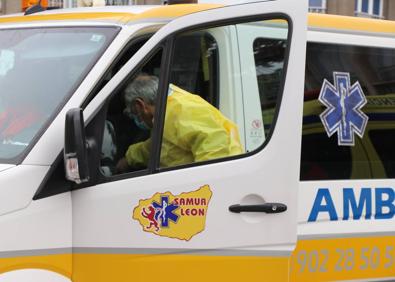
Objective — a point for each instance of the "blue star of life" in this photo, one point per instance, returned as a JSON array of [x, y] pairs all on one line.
[[165, 211], [343, 114]]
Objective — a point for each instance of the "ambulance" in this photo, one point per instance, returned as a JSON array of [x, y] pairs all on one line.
[[311, 197]]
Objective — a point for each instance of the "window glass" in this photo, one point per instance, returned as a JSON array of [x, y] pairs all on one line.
[[215, 76], [332, 162], [315, 3], [376, 7], [126, 143], [39, 68], [317, 6], [365, 6], [195, 68], [197, 128], [368, 8], [361, 133], [383, 142], [124, 57], [269, 55]]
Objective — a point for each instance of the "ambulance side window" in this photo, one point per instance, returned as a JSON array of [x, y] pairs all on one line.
[[269, 56], [199, 108], [195, 67], [123, 126], [357, 142], [383, 142], [55, 182], [128, 52], [204, 117]]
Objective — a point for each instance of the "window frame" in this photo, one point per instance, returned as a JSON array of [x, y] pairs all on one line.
[[318, 9], [370, 13], [366, 144], [150, 166], [160, 115]]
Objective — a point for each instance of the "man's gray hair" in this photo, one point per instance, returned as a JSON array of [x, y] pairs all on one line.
[[143, 86]]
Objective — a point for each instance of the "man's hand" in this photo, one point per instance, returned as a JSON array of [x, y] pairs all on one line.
[[122, 166]]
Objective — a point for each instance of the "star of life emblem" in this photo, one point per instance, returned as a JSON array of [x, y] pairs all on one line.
[[343, 114]]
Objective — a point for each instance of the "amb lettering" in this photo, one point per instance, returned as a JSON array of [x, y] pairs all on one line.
[[355, 206], [191, 206]]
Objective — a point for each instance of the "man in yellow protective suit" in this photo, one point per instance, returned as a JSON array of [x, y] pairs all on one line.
[[194, 130]]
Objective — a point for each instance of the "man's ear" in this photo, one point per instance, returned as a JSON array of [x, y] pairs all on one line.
[[139, 105]]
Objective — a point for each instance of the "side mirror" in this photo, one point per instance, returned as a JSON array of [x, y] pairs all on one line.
[[75, 147]]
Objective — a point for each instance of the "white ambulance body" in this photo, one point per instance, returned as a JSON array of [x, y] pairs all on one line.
[[311, 198]]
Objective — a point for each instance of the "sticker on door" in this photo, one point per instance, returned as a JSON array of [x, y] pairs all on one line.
[[175, 216]]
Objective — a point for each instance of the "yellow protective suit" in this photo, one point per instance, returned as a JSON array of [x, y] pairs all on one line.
[[194, 131]]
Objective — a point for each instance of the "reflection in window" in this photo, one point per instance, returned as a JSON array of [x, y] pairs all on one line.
[[195, 68], [331, 163], [269, 57], [383, 143], [197, 128], [371, 157], [39, 69]]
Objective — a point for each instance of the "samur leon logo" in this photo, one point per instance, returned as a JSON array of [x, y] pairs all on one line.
[[175, 216]]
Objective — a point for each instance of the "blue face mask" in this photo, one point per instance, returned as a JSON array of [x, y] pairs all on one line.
[[140, 124]]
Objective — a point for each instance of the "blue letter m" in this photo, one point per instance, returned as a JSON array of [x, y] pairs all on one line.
[[365, 199]]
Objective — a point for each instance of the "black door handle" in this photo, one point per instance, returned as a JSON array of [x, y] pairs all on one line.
[[266, 208]]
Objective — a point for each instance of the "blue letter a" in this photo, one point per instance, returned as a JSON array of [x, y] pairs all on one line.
[[318, 207]]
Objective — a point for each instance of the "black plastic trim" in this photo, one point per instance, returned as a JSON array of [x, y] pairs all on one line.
[[162, 103], [61, 186], [266, 208]]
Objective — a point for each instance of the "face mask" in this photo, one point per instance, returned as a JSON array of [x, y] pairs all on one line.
[[140, 124]]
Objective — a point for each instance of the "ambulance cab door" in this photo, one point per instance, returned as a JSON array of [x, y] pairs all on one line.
[[216, 198]]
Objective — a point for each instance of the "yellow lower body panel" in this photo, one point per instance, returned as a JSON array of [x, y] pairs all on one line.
[[59, 263], [132, 267], [313, 260], [191, 268]]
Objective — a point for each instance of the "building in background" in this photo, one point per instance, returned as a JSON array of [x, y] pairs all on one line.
[[17, 6], [91, 3], [382, 9]]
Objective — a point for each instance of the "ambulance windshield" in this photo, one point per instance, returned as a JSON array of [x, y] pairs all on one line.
[[39, 70]]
